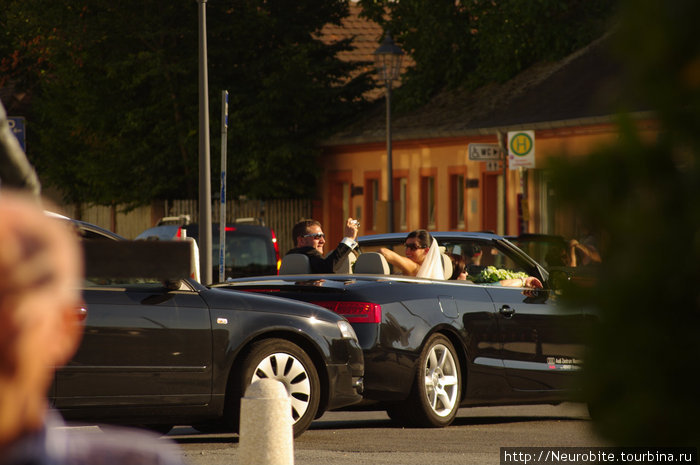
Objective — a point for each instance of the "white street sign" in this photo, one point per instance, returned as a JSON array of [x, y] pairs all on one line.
[[484, 152], [521, 149]]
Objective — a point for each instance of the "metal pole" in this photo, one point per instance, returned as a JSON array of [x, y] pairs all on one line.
[[222, 211], [503, 142], [389, 165], [205, 256]]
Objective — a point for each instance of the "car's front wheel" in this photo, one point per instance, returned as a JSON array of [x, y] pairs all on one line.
[[287, 363], [435, 396]]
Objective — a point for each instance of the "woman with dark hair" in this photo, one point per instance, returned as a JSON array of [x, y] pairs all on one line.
[[459, 267], [422, 258]]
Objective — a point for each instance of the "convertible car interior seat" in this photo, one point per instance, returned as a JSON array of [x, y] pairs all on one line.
[[344, 266], [371, 263], [446, 265], [295, 263]]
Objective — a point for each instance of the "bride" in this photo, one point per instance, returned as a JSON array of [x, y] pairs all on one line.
[[422, 258]]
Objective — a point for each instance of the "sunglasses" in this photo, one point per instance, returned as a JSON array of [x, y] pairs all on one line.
[[415, 247], [315, 236]]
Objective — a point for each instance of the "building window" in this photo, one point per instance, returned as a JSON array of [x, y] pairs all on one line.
[[401, 186], [346, 200], [457, 201], [428, 202], [371, 203]]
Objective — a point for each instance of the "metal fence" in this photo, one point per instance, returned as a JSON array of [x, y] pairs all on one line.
[[280, 215]]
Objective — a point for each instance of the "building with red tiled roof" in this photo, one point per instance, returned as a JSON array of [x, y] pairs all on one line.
[[569, 105], [366, 36]]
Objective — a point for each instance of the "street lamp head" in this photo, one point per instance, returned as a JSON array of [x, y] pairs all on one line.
[[387, 59]]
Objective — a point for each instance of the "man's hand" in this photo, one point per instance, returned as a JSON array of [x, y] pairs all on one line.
[[532, 283], [351, 227]]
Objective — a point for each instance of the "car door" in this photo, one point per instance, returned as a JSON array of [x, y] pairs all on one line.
[[541, 342], [143, 345]]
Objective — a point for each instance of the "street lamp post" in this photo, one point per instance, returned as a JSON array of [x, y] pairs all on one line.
[[387, 59], [205, 239]]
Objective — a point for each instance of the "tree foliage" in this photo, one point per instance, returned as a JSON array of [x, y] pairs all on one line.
[[289, 90], [644, 196], [436, 35], [473, 42], [114, 114]]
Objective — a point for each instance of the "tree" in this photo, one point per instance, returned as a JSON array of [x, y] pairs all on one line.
[[114, 115], [471, 43], [644, 196], [289, 90], [436, 35]]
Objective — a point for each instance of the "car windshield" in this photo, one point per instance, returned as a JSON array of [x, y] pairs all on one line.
[[549, 251], [164, 233]]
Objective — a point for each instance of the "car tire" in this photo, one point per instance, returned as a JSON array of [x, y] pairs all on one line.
[[286, 362], [436, 393]]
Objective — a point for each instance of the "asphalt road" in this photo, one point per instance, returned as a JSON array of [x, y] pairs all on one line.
[[355, 438]]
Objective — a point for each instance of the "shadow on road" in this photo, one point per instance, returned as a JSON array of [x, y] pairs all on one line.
[[352, 424], [467, 421], [187, 435], [355, 420], [459, 421]]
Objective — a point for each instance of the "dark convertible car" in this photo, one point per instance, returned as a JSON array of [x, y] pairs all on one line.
[[431, 346], [159, 353]]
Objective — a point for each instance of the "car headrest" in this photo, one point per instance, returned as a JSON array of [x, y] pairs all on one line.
[[446, 265], [344, 266], [295, 263], [371, 263]]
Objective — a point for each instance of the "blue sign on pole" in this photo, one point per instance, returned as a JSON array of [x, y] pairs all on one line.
[[17, 127]]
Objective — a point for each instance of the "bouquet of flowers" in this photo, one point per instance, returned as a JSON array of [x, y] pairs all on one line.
[[491, 274]]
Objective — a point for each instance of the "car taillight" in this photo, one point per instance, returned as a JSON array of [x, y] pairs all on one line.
[[277, 251], [355, 312], [229, 228]]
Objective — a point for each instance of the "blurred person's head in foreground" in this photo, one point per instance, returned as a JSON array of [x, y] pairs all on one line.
[[41, 272]]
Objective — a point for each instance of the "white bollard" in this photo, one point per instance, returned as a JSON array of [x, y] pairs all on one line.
[[265, 433]]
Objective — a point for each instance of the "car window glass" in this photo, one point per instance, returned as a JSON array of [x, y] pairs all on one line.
[[246, 251], [246, 255], [481, 254], [122, 282], [86, 234], [163, 233], [477, 254], [549, 252]]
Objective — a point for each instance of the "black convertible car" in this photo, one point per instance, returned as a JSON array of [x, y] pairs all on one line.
[[163, 352], [431, 346]]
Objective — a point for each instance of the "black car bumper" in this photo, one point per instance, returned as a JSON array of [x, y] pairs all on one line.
[[344, 387]]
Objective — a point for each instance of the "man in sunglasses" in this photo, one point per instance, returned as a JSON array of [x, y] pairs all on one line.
[[309, 240]]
